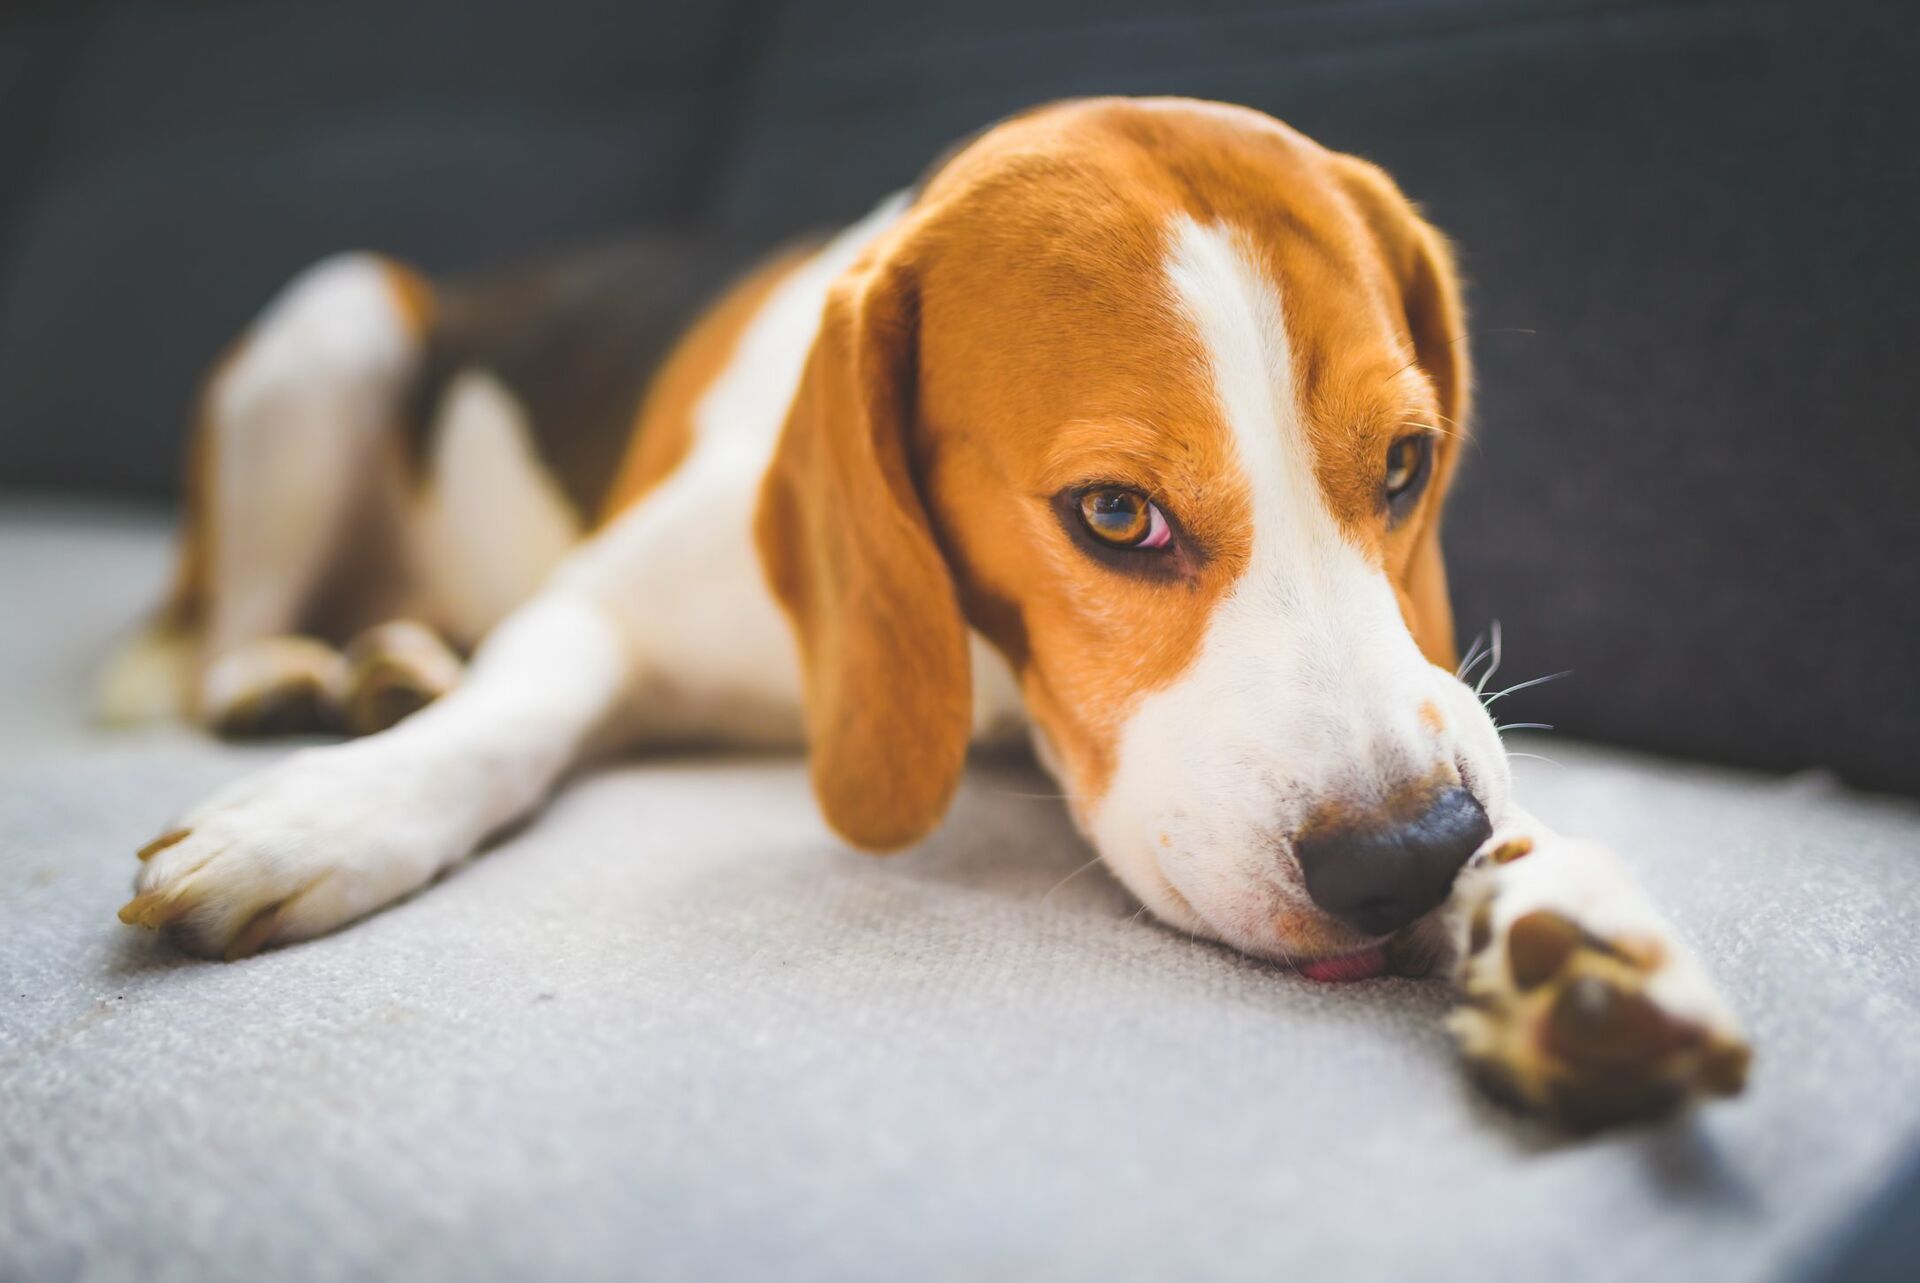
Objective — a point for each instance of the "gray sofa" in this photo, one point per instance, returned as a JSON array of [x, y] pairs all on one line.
[[674, 1030]]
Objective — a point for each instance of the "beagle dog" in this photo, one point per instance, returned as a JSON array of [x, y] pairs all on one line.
[[1130, 426]]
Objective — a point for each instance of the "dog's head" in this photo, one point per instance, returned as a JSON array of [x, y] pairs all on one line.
[[1161, 398]]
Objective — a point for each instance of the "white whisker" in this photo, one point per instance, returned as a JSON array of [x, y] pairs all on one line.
[[1520, 686], [1538, 757], [1070, 877], [1468, 660], [1493, 666]]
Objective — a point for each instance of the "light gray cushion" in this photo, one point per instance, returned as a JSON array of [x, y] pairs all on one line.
[[673, 1030]]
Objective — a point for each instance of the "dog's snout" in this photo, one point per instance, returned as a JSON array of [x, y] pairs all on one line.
[[1379, 877]]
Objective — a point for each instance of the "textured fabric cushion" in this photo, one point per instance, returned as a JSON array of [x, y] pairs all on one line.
[[673, 1030]]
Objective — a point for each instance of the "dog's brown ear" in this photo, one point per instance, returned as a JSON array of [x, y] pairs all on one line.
[[1438, 323], [1423, 267], [851, 555]]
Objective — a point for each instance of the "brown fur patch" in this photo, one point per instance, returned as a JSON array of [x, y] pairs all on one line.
[[577, 339], [414, 293], [850, 553], [1029, 346], [663, 429]]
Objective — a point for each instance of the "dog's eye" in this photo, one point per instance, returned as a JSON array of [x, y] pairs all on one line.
[[1123, 518], [1409, 460]]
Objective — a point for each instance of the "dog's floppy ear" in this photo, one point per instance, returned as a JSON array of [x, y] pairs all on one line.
[[1423, 268], [1438, 323], [851, 555]]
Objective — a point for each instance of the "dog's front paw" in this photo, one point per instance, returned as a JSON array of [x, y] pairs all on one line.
[[303, 847], [1578, 1002]]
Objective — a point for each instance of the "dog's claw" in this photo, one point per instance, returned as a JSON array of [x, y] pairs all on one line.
[[1723, 1066], [160, 844], [151, 909]]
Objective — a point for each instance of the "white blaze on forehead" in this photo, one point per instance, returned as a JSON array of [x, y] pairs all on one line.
[[1235, 309], [1310, 615], [1307, 681]]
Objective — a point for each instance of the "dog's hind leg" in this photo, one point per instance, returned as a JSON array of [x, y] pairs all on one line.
[[295, 468]]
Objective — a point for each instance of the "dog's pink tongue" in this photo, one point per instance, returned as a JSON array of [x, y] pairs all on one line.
[[1361, 965]]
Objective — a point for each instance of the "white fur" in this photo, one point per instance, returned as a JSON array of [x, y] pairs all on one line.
[[1308, 686], [492, 523], [295, 425]]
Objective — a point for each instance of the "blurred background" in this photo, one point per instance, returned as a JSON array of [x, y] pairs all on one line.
[[1687, 228]]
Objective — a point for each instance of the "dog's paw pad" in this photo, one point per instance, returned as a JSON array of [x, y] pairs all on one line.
[[1561, 1021], [1539, 945]]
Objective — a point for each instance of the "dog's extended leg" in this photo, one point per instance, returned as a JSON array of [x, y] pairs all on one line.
[[1578, 999], [336, 832]]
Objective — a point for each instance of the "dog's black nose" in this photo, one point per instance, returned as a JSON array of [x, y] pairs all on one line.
[[1379, 878]]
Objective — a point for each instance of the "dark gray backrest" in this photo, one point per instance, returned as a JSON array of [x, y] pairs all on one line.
[[169, 165]]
